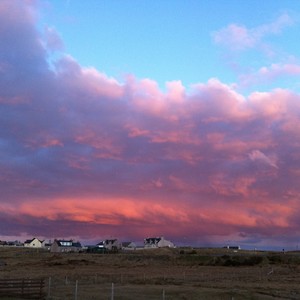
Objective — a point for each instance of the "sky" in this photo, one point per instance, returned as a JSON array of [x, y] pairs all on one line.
[[136, 119]]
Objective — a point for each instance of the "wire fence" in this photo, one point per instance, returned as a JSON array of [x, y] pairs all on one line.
[[164, 286]]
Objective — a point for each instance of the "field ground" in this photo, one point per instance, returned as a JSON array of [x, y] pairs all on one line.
[[158, 274]]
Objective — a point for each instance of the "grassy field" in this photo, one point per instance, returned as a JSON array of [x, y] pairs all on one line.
[[158, 274]]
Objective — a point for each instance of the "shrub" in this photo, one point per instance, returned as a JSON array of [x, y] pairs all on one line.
[[235, 261]]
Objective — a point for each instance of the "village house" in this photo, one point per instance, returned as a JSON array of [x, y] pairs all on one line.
[[48, 245], [233, 247], [34, 243], [65, 246], [3, 243], [157, 242], [128, 246], [112, 245], [14, 244]]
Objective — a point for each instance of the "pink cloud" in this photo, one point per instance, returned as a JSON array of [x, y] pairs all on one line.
[[257, 155], [219, 101], [53, 40], [176, 91], [242, 186], [280, 69], [269, 74], [248, 215], [238, 37], [102, 144], [128, 159]]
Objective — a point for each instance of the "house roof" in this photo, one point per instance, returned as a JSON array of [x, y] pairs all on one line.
[[29, 241], [110, 241], [152, 240], [107, 242]]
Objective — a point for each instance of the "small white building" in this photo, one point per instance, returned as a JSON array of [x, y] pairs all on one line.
[[158, 242], [112, 245], [128, 245], [34, 243], [233, 247]]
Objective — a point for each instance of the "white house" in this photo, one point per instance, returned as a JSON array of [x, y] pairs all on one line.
[[128, 246], [110, 245], [157, 242], [233, 247], [34, 243]]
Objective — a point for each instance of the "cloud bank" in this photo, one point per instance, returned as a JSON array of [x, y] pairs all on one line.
[[85, 155]]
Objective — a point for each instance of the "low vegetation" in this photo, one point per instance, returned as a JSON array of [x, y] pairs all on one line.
[[183, 273]]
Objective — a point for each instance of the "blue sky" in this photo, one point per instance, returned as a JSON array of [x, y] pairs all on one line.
[[175, 40]]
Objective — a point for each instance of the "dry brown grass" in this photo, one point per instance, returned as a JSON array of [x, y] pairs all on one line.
[[150, 274]]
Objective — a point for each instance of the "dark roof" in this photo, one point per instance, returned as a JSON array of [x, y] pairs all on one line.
[[110, 241], [29, 241], [152, 240]]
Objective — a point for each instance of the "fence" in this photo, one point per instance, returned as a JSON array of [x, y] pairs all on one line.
[[168, 284], [109, 291], [22, 288], [153, 286]]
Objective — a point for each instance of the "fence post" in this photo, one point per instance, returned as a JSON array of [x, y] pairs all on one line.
[[42, 284], [112, 291], [76, 289], [163, 294], [260, 274], [22, 289], [49, 287]]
